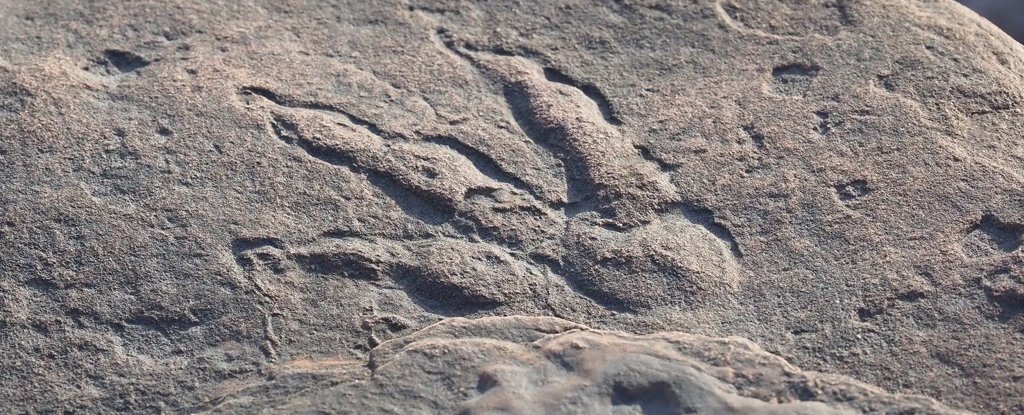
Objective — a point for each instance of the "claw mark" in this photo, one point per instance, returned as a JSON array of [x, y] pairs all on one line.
[[706, 218], [488, 223], [369, 157], [484, 163], [263, 92], [630, 190], [443, 42], [411, 203], [315, 106], [288, 132], [447, 276], [404, 169], [590, 90], [606, 173]]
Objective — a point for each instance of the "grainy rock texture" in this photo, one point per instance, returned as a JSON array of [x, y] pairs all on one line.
[[197, 196], [533, 365]]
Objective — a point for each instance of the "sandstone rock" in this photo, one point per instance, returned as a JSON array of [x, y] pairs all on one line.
[[530, 365], [197, 195]]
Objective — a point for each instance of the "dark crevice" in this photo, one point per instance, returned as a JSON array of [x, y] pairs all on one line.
[[1000, 295], [314, 106], [613, 226], [804, 391], [369, 126], [581, 203], [1010, 305], [344, 264], [484, 163], [796, 70], [439, 297], [443, 41], [164, 324], [799, 331], [411, 203], [870, 312], [844, 13], [654, 398], [824, 124], [887, 82], [1006, 237], [756, 136], [479, 192], [911, 296], [553, 140], [646, 154], [590, 90], [406, 235], [794, 79], [486, 382], [555, 267], [706, 218], [46, 285], [124, 61], [262, 92], [541, 134], [240, 245], [289, 133]]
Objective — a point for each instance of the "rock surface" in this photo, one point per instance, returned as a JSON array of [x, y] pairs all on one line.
[[198, 195], [533, 365]]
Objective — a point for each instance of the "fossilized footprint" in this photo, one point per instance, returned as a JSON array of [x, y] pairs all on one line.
[[620, 237]]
